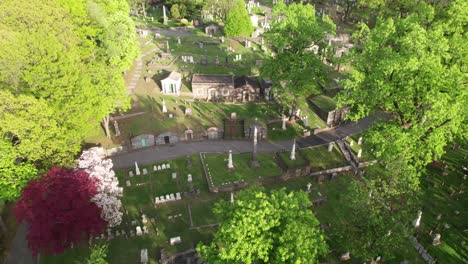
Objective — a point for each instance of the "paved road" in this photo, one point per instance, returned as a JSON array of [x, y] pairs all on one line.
[[167, 152]]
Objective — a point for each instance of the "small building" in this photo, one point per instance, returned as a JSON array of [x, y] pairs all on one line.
[[172, 84], [142, 141], [212, 86], [265, 89], [166, 138], [211, 30], [246, 89]]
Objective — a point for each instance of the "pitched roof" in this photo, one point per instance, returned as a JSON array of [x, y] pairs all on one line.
[[173, 76], [243, 80], [212, 78]]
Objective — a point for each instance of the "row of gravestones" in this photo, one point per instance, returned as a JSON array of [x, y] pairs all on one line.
[[168, 198]]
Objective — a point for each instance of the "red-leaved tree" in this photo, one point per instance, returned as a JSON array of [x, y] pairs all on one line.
[[58, 210]]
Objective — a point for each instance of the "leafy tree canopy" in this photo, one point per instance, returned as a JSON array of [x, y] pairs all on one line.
[[413, 69], [266, 228], [295, 69], [59, 211], [58, 79], [238, 22]]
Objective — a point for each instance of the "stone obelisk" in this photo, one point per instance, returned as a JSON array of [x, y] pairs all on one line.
[[254, 162]]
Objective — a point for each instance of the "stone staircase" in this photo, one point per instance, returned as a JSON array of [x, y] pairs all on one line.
[[349, 155]]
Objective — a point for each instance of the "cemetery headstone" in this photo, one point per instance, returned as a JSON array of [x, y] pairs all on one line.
[[174, 175], [230, 164], [306, 121], [359, 154], [164, 16], [163, 166], [155, 168], [138, 231], [345, 256], [309, 185], [144, 256], [137, 169], [159, 167], [168, 166], [144, 220], [360, 141], [178, 197], [175, 240], [417, 221], [293, 151], [189, 178], [130, 173], [178, 41], [330, 147], [164, 107], [436, 240], [128, 183], [145, 171]]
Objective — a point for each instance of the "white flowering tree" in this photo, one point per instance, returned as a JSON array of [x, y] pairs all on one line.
[[109, 191]]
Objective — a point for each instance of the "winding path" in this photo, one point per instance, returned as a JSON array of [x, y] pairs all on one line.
[[167, 152]]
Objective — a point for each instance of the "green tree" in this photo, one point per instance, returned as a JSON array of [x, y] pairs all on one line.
[[58, 79], [295, 69], [238, 22], [266, 228], [370, 221], [413, 69], [98, 254], [175, 11]]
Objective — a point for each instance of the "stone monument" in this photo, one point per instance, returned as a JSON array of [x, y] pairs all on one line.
[[254, 162], [137, 170], [230, 165], [293, 151]]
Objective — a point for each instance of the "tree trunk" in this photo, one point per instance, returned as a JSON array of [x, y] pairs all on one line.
[[105, 123], [292, 116]]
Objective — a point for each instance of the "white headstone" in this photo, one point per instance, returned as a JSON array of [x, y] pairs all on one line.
[[172, 197], [168, 198], [144, 220], [306, 121], [360, 141], [159, 167], [308, 186], [162, 199], [128, 183], [145, 230], [417, 221], [164, 107], [137, 169], [232, 197], [293, 151], [230, 164], [283, 124], [130, 173], [138, 231], [189, 178], [156, 200], [178, 197], [174, 175], [175, 240], [163, 166], [345, 256], [178, 40], [145, 171], [330, 147], [351, 143], [359, 154], [436, 239], [155, 168], [144, 256], [168, 166]]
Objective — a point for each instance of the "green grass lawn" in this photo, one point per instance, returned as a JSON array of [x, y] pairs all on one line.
[[275, 133], [366, 154], [321, 159], [297, 163], [204, 115], [217, 165]]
